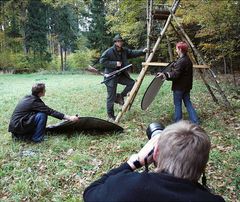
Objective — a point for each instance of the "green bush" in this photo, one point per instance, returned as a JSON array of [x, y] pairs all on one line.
[[80, 59], [55, 64], [75, 61], [20, 63], [7, 60]]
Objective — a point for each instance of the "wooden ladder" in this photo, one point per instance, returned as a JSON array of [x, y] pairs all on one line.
[[201, 64]]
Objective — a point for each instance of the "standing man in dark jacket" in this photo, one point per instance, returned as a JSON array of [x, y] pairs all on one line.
[[180, 154], [28, 121], [113, 59], [182, 79]]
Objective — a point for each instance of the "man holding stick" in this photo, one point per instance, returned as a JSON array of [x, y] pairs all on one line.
[[113, 59]]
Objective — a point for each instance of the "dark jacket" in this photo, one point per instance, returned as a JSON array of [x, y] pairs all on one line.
[[122, 184], [181, 74], [110, 57], [22, 120]]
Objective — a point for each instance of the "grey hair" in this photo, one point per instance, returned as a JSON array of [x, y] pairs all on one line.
[[183, 150], [38, 88]]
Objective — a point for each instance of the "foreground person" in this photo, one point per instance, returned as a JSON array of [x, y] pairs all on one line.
[[180, 154], [28, 121]]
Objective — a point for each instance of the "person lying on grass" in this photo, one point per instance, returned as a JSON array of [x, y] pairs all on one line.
[[29, 119]]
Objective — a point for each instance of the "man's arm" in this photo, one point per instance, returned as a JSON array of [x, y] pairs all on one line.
[[40, 106], [122, 177], [135, 53], [105, 60], [174, 73]]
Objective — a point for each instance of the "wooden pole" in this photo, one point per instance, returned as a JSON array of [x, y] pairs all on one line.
[[149, 24], [139, 80], [159, 64], [170, 52]]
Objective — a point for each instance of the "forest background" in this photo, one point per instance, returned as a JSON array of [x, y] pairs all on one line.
[[60, 35]]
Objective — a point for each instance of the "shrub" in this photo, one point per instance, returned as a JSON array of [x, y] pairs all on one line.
[[20, 63], [80, 59]]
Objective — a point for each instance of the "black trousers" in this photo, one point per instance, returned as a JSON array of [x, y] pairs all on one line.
[[112, 90]]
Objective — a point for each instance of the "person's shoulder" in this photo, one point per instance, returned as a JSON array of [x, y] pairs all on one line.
[[126, 49], [185, 57], [183, 61], [110, 49], [208, 194], [188, 60], [219, 198], [34, 97], [107, 52], [213, 197], [133, 180], [136, 177], [28, 97]]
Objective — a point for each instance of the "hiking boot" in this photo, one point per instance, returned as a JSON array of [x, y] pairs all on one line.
[[119, 99], [111, 118], [15, 137]]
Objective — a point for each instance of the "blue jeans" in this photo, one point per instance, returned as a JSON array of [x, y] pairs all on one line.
[[40, 125], [178, 96]]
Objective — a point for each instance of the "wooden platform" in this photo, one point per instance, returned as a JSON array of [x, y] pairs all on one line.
[[161, 14], [162, 64]]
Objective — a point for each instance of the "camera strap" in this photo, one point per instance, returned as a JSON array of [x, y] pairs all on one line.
[[146, 164], [204, 179], [146, 160], [204, 182]]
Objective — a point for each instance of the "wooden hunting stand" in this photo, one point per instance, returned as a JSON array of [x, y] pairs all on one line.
[[163, 15]]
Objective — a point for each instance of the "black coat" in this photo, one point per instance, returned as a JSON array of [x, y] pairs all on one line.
[[181, 74], [22, 120], [110, 57], [122, 184]]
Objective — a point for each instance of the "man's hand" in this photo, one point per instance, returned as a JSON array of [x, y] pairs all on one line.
[[161, 75], [71, 118], [143, 153], [132, 159], [145, 50], [119, 64]]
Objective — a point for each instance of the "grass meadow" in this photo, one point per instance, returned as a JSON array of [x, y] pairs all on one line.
[[59, 168]]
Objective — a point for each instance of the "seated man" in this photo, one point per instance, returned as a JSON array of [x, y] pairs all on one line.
[[28, 121], [180, 153]]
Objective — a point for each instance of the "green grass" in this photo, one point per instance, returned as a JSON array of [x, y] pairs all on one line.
[[61, 167]]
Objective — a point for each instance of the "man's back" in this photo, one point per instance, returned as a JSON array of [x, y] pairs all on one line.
[[122, 184], [22, 115]]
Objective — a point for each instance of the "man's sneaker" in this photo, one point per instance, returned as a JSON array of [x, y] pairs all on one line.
[[119, 99]]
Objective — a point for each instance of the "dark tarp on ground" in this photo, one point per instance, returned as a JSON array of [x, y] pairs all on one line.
[[89, 124]]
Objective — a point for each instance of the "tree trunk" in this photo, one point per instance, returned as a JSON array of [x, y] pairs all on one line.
[[61, 55], [233, 72], [23, 12], [225, 64], [65, 58], [169, 48]]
